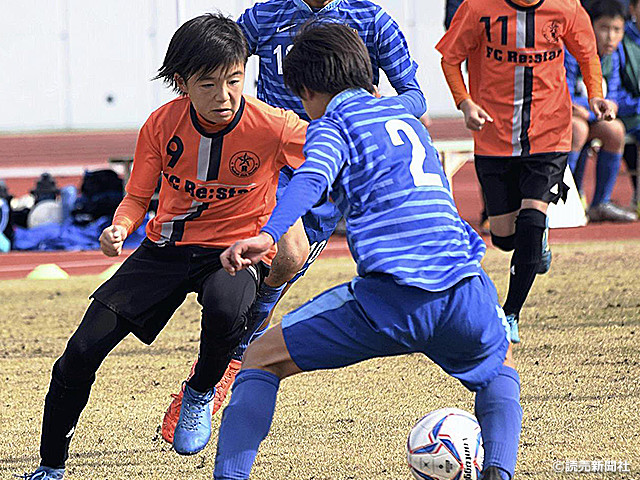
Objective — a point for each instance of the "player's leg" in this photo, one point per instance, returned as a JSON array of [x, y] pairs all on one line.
[[611, 134], [499, 179], [72, 376], [319, 335], [292, 247], [540, 182], [225, 301], [140, 311], [293, 251], [471, 344]]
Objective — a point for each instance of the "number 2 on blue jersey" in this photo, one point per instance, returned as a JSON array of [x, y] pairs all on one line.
[[418, 153]]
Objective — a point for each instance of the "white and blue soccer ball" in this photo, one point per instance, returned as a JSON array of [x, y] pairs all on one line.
[[446, 444]]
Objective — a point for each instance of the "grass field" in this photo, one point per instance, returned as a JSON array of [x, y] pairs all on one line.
[[579, 363]]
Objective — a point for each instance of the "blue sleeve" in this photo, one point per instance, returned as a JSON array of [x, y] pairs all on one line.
[[411, 97], [397, 64], [304, 191], [249, 26]]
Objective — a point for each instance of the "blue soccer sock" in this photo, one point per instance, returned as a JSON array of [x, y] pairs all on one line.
[[572, 160], [245, 423], [500, 416], [265, 302], [249, 337], [606, 175]]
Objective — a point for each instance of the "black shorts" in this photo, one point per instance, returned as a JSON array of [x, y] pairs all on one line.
[[154, 281], [506, 181]]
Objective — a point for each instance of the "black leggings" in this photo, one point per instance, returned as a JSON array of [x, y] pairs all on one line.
[[224, 299]]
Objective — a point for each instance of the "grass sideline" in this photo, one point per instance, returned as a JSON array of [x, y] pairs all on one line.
[[579, 363]]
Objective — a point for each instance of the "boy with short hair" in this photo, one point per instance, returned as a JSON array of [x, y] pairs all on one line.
[[520, 111], [269, 28], [420, 286], [608, 24], [215, 190]]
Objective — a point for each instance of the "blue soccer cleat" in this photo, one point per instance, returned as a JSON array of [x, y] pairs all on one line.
[[545, 261], [44, 473], [513, 319], [193, 430]]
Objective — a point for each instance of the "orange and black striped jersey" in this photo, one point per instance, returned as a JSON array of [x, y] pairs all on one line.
[[217, 187], [516, 70]]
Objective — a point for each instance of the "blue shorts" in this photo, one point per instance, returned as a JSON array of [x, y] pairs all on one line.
[[462, 329], [319, 223]]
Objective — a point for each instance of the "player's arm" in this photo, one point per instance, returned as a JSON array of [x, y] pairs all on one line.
[[579, 103], [325, 152], [249, 25], [462, 38], [475, 117], [147, 165], [303, 192], [581, 43], [398, 65]]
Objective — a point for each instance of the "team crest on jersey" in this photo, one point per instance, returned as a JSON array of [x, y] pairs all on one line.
[[244, 164], [551, 31]]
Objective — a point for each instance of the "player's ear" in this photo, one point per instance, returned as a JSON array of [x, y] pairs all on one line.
[[182, 85]]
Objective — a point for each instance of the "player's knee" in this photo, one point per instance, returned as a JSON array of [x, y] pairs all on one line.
[[505, 244], [77, 365], [293, 250], [612, 135], [222, 323], [530, 226]]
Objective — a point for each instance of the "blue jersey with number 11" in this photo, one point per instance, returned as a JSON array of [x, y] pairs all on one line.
[[386, 178]]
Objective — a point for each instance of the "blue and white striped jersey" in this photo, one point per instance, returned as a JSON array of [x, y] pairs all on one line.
[[271, 26], [385, 176]]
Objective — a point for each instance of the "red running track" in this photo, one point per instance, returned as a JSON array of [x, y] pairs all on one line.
[[31, 153]]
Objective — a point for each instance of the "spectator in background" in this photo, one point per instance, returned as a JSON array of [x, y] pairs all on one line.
[[608, 20], [632, 34]]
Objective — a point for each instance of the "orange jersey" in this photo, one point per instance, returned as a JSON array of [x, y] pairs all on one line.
[[216, 187], [516, 70]]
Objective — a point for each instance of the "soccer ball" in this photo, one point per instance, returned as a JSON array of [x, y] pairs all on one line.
[[446, 445]]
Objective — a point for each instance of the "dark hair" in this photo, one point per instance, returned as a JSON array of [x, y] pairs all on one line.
[[605, 8], [633, 2], [202, 45], [327, 57]]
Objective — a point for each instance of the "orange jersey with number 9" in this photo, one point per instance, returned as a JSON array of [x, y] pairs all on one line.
[[218, 183]]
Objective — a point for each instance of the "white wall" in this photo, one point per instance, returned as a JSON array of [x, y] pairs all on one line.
[[78, 64]]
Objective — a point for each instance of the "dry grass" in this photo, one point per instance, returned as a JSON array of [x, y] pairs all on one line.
[[579, 365]]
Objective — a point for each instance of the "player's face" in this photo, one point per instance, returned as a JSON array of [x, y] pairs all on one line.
[[215, 95], [609, 32]]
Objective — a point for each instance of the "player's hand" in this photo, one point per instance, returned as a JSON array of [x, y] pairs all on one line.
[[111, 240], [244, 253], [475, 117], [604, 109]]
